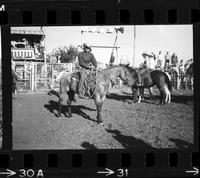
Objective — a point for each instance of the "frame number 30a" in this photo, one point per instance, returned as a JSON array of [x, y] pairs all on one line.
[[122, 172], [31, 173]]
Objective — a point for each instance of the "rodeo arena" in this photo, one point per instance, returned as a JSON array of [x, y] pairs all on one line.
[[115, 111]]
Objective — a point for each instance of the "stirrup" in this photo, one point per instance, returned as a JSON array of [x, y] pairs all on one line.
[[138, 84]]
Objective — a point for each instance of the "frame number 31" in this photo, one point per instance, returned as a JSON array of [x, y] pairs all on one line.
[[122, 172]]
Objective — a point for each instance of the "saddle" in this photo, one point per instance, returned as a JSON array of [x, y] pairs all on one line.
[[87, 83], [145, 75]]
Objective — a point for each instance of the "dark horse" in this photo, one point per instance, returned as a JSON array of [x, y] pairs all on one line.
[[103, 80], [152, 78]]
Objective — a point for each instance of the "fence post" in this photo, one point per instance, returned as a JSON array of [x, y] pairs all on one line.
[[178, 83], [32, 76]]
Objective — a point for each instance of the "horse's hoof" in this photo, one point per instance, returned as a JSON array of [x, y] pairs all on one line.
[[69, 115], [131, 102]]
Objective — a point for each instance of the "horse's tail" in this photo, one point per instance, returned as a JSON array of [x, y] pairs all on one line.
[[168, 81]]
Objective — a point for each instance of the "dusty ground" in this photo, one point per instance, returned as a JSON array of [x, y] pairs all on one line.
[[142, 125]]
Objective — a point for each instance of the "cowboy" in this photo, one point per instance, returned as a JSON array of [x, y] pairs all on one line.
[[87, 61], [148, 64]]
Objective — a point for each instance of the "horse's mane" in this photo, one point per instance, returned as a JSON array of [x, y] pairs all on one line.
[[131, 70]]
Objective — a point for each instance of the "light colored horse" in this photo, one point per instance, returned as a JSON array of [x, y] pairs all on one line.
[[69, 86]]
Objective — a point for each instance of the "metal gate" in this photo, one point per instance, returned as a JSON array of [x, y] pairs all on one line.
[[34, 76], [23, 71], [46, 73]]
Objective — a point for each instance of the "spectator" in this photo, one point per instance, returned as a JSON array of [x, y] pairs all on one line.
[[167, 58], [181, 67], [26, 44], [37, 53], [167, 67], [160, 61], [174, 60]]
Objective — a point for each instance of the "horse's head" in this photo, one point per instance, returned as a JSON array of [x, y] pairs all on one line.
[[127, 74]]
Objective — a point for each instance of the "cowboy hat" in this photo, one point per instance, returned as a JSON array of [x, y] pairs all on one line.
[[147, 54], [86, 46]]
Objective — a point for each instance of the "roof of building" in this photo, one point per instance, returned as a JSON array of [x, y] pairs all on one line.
[[27, 32]]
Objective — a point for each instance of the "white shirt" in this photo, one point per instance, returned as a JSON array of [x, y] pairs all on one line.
[[161, 57], [150, 62]]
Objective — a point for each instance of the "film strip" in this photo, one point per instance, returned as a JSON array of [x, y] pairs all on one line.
[[131, 156]]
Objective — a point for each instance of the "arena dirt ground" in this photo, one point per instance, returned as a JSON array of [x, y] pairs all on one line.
[[141, 125]]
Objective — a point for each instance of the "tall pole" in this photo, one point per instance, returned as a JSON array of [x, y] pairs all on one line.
[[81, 39], [134, 46]]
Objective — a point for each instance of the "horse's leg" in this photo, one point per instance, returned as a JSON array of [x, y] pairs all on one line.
[[169, 101], [162, 94], [150, 92], [135, 94], [141, 94], [67, 98], [62, 97], [60, 102], [167, 92], [69, 108], [139, 99], [99, 102], [186, 83]]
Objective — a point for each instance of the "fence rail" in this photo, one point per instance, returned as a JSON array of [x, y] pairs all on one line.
[[34, 76]]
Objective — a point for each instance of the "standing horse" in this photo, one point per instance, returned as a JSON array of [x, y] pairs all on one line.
[[189, 76], [69, 86], [158, 78]]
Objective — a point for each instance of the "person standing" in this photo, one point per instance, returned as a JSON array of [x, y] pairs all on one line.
[[167, 58], [174, 63], [160, 61], [181, 67], [174, 60]]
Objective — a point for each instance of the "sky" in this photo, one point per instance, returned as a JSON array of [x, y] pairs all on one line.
[[152, 38]]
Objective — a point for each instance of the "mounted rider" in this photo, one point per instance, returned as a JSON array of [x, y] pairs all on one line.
[[149, 63], [87, 63]]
